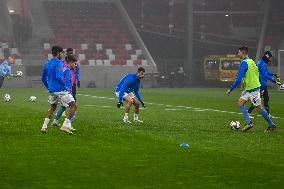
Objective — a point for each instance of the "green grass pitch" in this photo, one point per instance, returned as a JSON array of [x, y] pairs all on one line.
[[105, 153]]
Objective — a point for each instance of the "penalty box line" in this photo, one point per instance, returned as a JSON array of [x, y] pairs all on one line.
[[185, 107]]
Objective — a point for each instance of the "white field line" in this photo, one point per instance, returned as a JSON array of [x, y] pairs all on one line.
[[174, 108]]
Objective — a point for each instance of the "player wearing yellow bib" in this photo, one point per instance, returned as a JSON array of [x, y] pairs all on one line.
[[248, 73]]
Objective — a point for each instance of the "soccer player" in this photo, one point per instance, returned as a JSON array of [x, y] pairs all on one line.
[[75, 72], [248, 72], [265, 75], [5, 69], [128, 89], [52, 78], [68, 78]]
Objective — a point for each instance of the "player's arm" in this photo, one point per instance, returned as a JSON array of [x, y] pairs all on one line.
[[78, 76], [266, 73], [68, 80], [138, 96], [9, 71], [44, 76], [123, 90], [241, 73]]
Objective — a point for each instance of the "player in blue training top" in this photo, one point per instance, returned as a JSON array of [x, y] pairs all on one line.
[[128, 89], [52, 78], [248, 73], [5, 69], [265, 75], [68, 77]]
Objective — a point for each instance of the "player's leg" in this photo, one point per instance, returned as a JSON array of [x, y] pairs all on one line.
[[1, 81], [136, 110], [74, 92], [265, 96], [52, 99], [251, 108], [243, 99], [256, 100], [129, 101], [47, 118], [58, 115], [265, 115], [73, 117], [68, 100]]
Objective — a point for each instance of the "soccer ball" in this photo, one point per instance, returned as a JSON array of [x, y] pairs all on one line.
[[7, 98], [19, 73], [32, 98], [235, 125]]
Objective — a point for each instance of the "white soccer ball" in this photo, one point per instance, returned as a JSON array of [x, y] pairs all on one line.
[[7, 98], [19, 73], [32, 98], [235, 125]]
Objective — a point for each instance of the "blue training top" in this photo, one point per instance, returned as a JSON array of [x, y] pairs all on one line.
[[67, 74], [264, 73], [5, 69], [52, 76], [129, 83]]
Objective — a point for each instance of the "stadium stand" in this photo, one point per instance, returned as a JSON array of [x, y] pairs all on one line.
[[96, 31]]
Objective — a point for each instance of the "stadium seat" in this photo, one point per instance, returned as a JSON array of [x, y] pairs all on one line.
[[46, 46], [107, 63], [92, 62], [99, 63]]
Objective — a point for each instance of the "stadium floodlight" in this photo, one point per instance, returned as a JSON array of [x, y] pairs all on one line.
[[281, 68]]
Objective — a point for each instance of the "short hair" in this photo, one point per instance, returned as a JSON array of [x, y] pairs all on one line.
[[69, 50], [140, 69], [71, 58], [268, 53], [244, 49], [55, 50]]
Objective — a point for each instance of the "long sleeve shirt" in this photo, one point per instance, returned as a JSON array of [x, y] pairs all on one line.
[[67, 74], [129, 83], [52, 76], [264, 73], [5, 69], [243, 67]]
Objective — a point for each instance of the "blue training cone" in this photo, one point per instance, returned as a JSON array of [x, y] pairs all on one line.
[[184, 145]]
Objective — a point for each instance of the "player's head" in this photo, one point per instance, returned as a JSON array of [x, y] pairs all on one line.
[[243, 52], [71, 61], [57, 52], [140, 72], [267, 56], [10, 59], [69, 51]]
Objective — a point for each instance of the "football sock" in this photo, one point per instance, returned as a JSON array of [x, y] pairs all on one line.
[[245, 113], [59, 113], [264, 114], [73, 117], [125, 116], [45, 123], [66, 123], [135, 116]]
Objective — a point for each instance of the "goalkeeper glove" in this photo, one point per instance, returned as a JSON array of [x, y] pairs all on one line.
[[278, 80], [275, 75], [78, 84], [119, 104], [143, 105]]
